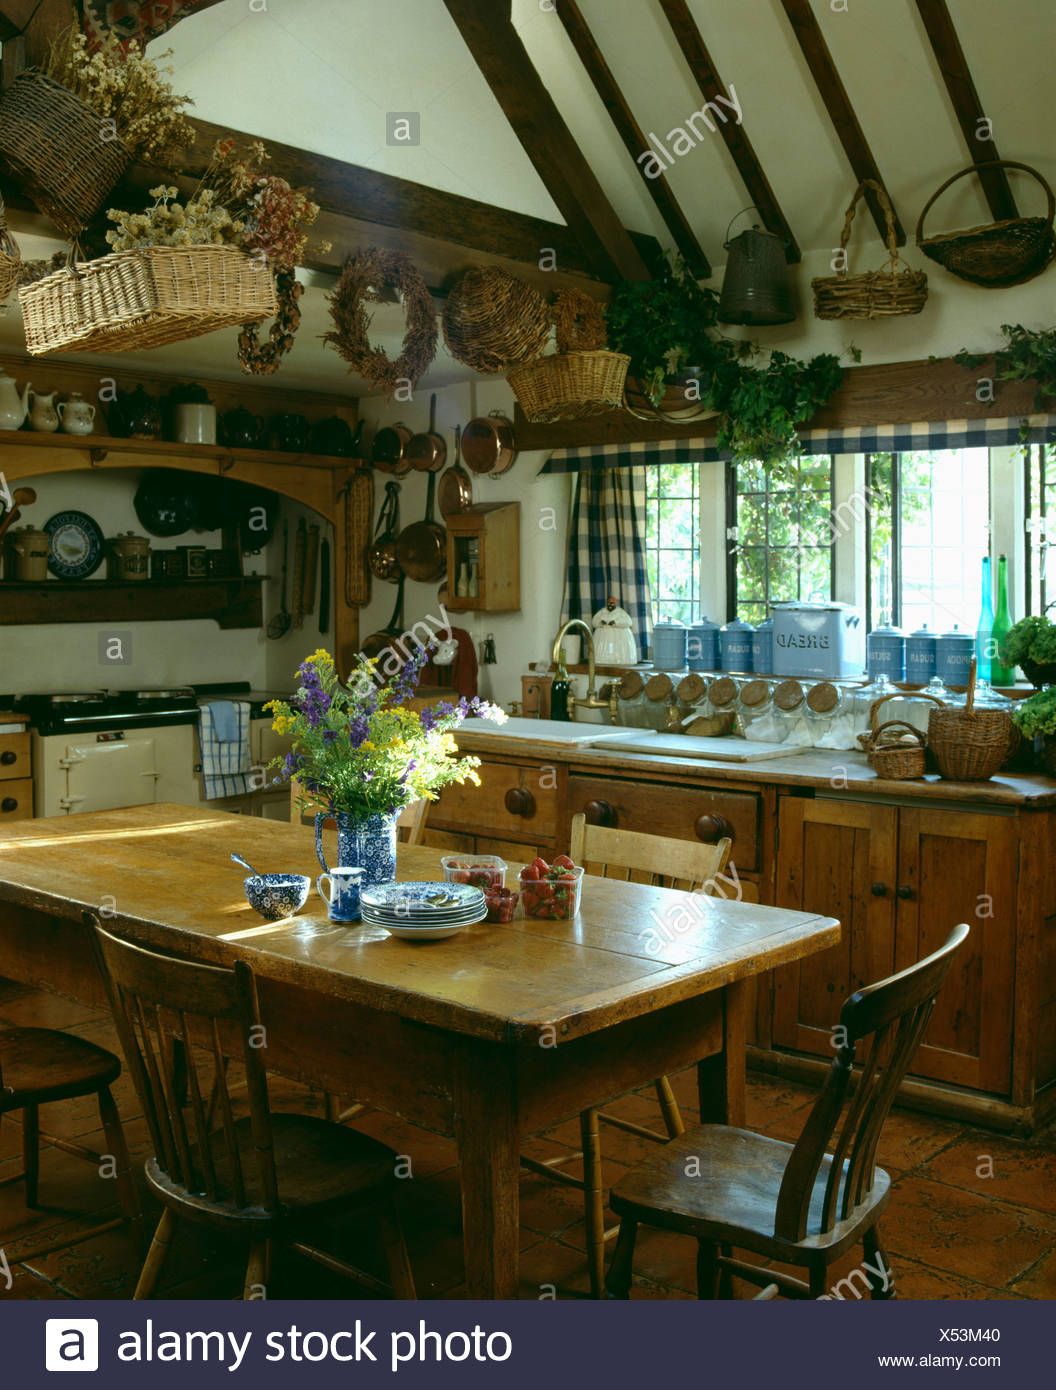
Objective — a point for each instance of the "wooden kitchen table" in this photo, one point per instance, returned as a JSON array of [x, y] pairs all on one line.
[[487, 1037]]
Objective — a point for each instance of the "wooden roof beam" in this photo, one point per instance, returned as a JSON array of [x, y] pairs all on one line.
[[710, 83], [966, 104], [630, 132], [488, 31], [838, 104]]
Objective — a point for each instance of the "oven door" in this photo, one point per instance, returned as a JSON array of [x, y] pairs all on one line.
[[108, 770]]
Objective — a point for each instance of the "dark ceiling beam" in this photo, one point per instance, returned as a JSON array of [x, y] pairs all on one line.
[[632, 135], [38, 20], [527, 104], [838, 104], [711, 85], [966, 104]]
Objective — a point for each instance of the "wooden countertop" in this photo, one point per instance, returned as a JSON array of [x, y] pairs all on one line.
[[165, 875], [845, 772]]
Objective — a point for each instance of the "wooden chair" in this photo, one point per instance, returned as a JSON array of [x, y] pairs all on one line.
[[41, 1065], [804, 1204], [263, 1176], [628, 856]]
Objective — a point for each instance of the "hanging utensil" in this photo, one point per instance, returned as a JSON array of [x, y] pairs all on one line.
[[455, 492], [422, 548], [311, 565], [381, 640], [280, 623], [21, 497], [428, 452], [389, 450], [488, 444], [382, 554], [324, 587], [299, 545]]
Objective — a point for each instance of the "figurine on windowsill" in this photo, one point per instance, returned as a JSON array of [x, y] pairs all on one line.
[[614, 643]]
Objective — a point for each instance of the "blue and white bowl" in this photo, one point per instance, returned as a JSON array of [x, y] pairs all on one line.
[[276, 896]]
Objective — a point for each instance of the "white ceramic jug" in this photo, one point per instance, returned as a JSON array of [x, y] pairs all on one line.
[[78, 415], [13, 407], [42, 413]]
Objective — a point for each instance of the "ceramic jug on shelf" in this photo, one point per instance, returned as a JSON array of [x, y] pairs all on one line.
[[13, 407], [42, 412], [78, 415]]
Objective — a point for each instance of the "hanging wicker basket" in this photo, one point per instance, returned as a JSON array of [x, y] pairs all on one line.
[[896, 751], [55, 144], [10, 257], [570, 385], [143, 299], [875, 294], [492, 320], [998, 253]]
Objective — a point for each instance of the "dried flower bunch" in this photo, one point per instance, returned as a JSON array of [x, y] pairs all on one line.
[[123, 85], [201, 222]]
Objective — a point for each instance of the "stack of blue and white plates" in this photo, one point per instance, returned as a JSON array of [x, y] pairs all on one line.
[[424, 911]]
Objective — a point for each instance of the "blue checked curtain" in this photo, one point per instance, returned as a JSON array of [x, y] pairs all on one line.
[[606, 549]]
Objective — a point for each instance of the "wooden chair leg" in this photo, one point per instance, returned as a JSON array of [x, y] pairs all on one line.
[[819, 1278], [333, 1108], [401, 1276], [618, 1279], [593, 1200], [669, 1108], [159, 1248], [708, 1269], [257, 1270], [881, 1285], [31, 1151], [126, 1183], [725, 1275]]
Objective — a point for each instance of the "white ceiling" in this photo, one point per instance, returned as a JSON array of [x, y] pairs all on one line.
[[322, 74]]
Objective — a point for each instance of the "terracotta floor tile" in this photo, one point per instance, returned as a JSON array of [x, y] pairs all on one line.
[[1040, 1280], [914, 1280], [550, 1269], [909, 1139], [952, 1229], [40, 1010], [998, 1168]]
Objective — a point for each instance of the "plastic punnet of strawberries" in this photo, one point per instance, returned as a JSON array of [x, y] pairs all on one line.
[[551, 891]]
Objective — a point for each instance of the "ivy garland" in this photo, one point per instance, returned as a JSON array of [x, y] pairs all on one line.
[[361, 283], [262, 359]]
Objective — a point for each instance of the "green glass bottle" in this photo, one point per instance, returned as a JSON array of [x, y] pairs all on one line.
[[1000, 674]]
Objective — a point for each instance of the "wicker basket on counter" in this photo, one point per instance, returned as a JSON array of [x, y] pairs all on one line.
[[970, 744], [570, 385], [897, 751], [145, 298], [865, 740], [893, 290], [51, 140]]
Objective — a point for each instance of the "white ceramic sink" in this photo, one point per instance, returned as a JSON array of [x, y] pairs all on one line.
[[553, 730]]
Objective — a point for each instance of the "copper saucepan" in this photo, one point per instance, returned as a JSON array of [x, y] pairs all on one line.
[[389, 449], [381, 557], [385, 637], [422, 548], [455, 492], [428, 452], [488, 444]]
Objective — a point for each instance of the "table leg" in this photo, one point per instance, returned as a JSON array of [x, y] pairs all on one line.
[[488, 1139], [720, 1079]]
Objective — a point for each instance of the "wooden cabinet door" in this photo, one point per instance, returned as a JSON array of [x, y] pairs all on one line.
[[836, 858], [955, 866]]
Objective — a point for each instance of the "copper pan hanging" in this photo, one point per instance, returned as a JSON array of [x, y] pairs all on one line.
[[488, 444], [427, 451], [455, 492], [389, 449], [422, 548], [381, 557]]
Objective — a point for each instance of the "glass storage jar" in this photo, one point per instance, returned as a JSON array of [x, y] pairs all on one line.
[[790, 713], [829, 717], [630, 701], [755, 716], [659, 703]]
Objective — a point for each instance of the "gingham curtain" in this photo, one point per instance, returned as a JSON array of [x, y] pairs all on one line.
[[606, 549]]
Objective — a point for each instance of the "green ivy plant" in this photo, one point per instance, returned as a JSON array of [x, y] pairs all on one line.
[[1037, 713], [662, 325], [1029, 355]]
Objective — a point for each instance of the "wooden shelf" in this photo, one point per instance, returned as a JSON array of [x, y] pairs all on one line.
[[231, 603], [98, 447]]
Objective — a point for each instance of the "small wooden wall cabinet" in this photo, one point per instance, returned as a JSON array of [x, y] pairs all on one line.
[[489, 536]]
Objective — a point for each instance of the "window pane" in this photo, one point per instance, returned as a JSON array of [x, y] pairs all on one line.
[[672, 540], [784, 532], [945, 525]]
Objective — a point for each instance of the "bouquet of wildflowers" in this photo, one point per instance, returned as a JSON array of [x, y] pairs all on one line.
[[358, 750]]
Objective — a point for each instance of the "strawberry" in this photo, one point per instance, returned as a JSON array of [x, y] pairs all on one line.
[[531, 873], [563, 862]]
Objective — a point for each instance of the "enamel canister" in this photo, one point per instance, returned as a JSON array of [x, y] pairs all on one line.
[[920, 656], [735, 642], [886, 653], [702, 649], [763, 646], [953, 656], [818, 639], [669, 645]]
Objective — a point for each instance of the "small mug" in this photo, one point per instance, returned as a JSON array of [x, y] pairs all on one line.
[[343, 898]]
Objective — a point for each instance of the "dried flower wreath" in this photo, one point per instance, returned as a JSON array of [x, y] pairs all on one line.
[[261, 359], [361, 283]]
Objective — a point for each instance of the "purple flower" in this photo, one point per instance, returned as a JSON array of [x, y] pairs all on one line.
[[358, 729], [311, 699], [292, 765], [409, 769]]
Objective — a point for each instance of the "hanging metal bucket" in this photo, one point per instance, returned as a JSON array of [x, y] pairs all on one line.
[[755, 288]]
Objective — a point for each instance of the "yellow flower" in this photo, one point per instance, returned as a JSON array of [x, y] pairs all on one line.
[[367, 744]]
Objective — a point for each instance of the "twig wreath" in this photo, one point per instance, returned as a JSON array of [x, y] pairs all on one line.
[[261, 359], [361, 283]]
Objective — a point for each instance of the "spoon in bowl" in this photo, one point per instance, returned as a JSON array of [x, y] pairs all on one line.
[[246, 865]]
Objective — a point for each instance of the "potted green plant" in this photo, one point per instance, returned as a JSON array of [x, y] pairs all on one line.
[[1031, 645], [1037, 715]]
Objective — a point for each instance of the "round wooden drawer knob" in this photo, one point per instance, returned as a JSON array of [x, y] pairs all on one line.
[[712, 829], [520, 802], [601, 813], [8, 804], [7, 757]]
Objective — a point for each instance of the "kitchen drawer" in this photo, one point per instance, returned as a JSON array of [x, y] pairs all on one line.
[[657, 809], [514, 801], [14, 756], [16, 799]]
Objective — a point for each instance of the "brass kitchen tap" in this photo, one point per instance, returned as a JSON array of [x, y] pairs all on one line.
[[591, 700]]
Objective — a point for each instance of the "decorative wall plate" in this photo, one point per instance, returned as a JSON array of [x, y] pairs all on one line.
[[76, 545]]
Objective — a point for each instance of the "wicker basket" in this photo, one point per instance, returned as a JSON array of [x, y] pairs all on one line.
[[969, 744], [143, 299], [893, 759], [10, 257], [998, 253], [492, 321], [570, 385], [875, 294], [53, 142]]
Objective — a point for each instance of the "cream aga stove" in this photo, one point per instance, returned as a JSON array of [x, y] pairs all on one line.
[[101, 749]]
